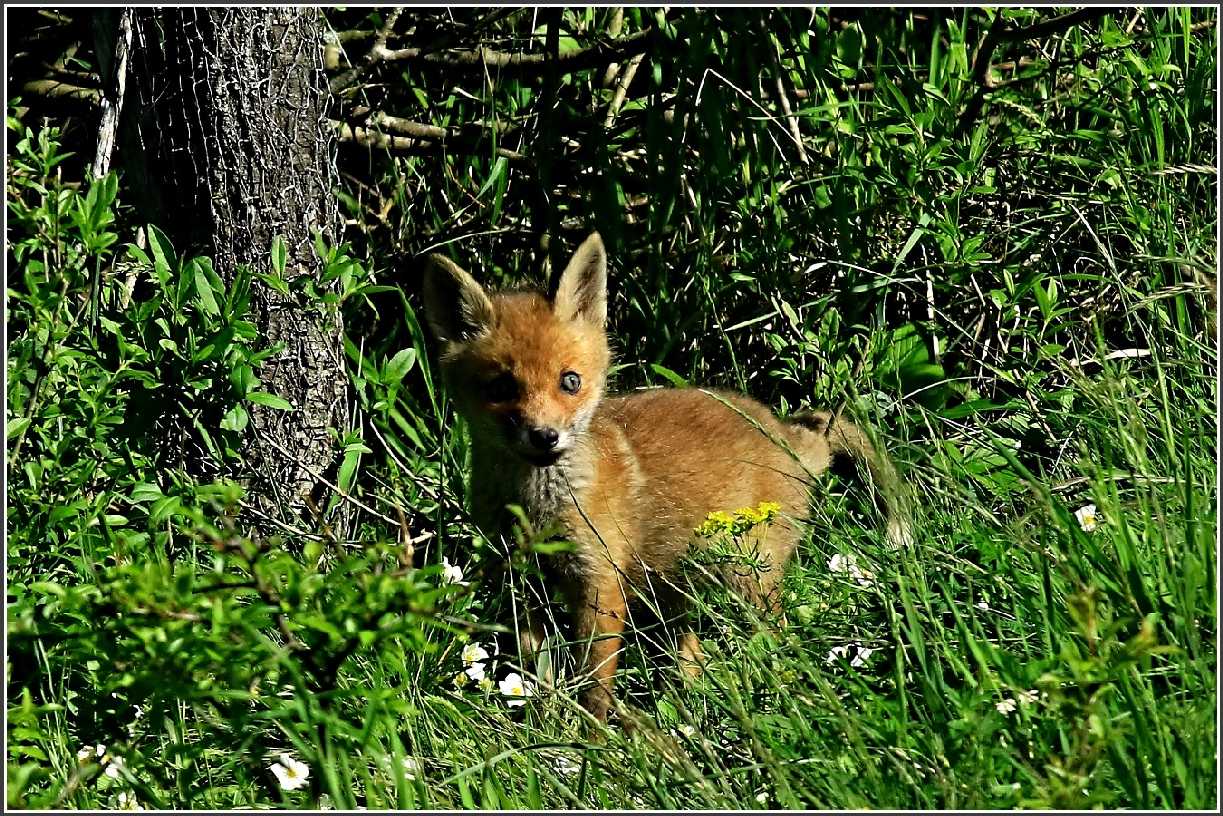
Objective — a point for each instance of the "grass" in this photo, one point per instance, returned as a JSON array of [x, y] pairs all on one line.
[[1023, 307]]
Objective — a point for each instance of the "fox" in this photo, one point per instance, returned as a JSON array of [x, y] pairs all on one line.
[[626, 478]]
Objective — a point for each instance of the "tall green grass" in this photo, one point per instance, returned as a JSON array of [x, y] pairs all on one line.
[[1023, 304]]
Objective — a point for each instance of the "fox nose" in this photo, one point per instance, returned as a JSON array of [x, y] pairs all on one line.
[[543, 439]]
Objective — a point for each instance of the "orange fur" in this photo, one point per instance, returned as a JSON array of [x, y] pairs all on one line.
[[630, 477]]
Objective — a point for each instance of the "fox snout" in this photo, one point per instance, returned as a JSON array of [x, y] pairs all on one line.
[[541, 444], [543, 439]]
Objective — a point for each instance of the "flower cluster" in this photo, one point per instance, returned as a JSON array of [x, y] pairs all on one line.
[[1008, 705], [112, 765], [452, 573], [512, 686], [848, 565], [474, 656], [738, 522]]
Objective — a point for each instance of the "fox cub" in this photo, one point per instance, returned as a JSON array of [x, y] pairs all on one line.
[[626, 478]]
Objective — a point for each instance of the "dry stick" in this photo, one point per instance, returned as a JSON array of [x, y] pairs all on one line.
[[373, 55], [613, 30], [998, 34], [112, 103], [784, 98], [371, 138], [54, 89], [572, 60], [408, 127], [622, 84]]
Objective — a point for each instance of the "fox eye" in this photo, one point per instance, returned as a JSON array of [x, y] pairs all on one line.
[[570, 382], [501, 388]]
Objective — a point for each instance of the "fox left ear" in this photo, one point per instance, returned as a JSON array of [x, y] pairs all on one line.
[[455, 305], [582, 289]]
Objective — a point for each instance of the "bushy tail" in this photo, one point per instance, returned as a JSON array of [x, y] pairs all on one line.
[[822, 437]]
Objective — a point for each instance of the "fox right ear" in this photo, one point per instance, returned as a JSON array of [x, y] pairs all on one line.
[[456, 307]]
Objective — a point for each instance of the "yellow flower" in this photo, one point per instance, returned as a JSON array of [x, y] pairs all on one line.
[[740, 521]]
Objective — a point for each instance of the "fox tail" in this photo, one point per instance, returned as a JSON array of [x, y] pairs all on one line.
[[821, 437]]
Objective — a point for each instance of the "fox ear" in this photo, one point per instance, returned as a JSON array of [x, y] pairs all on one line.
[[455, 305], [581, 291]]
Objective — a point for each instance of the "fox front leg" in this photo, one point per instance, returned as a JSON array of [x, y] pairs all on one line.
[[599, 627]]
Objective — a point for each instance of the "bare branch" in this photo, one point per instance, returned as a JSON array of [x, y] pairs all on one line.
[[572, 60], [54, 89], [372, 138]]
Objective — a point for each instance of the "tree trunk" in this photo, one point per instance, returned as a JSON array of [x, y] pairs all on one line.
[[226, 147]]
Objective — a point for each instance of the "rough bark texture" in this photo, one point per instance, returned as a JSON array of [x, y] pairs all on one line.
[[227, 147]]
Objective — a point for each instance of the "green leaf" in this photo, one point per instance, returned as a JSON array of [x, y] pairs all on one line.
[[203, 289], [235, 419], [270, 400], [164, 259], [669, 375], [348, 470], [399, 366], [280, 253], [145, 491]]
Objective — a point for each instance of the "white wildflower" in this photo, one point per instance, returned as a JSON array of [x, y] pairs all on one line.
[[114, 766], [565, 764], [762, 797], [687, 730], [1088, 519], [848, 565], [514, 687], [84, 754], [452, 573], [411, 767], [291, 773], [473, 653], [1028, 697], [475, 671], [861, 657], [860, 654], [127, 801], [1006, 706]]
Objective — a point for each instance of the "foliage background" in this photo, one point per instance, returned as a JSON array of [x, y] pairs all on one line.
[[1010, 272]]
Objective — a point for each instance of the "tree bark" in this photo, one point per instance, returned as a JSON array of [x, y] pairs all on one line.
[[227, 146]]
